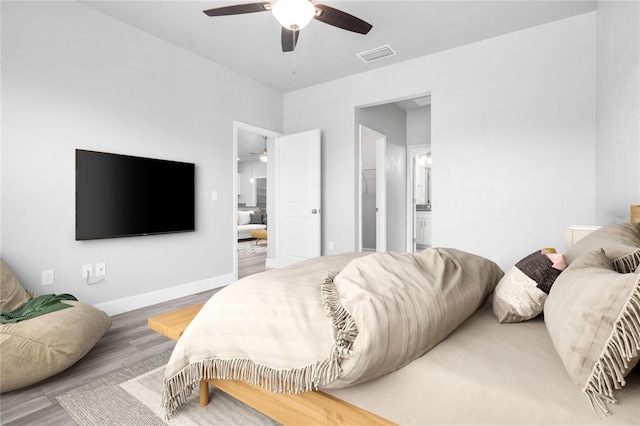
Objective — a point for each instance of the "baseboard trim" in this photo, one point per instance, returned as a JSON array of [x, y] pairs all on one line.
[[271, 263], [131, 303]]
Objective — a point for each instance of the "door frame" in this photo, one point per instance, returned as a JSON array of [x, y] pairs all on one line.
[[381, 186], [237, 126], [412, 151]]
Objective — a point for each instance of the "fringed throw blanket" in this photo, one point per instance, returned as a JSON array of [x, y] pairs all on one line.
[[302, 327]]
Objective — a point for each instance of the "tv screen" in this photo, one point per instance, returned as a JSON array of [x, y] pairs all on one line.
[[122, 196]]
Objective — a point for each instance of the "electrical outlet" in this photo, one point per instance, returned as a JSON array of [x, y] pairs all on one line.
[[87, 271], [330, 245], [101, 269], [47, 277]]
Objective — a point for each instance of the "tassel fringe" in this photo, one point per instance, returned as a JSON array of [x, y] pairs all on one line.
[[296, 380], [627, 264], [343, 322], [608, 373]]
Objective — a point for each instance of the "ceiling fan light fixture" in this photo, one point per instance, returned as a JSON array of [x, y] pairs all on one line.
[[263, 153], [293, 15]]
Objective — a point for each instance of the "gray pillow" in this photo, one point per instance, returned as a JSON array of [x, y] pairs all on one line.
[[255, 219]]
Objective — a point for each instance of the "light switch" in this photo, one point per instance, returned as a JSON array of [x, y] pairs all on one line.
[[214, 195]]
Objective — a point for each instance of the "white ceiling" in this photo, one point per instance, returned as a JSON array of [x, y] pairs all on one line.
[[249, 145], [250, 43]]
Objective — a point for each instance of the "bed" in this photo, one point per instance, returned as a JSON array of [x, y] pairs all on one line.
[[574, 365]]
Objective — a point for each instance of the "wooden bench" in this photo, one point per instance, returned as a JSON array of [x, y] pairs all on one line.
[[289, 409]]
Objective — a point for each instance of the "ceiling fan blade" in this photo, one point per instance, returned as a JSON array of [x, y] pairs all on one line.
[[341, 19], [289, 39], [239, 9]]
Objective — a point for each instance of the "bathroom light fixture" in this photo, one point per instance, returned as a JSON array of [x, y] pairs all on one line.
[[263, 153], [293, 15], [425, 158]]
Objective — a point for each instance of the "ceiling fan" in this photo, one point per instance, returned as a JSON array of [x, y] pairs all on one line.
[[294, 15]]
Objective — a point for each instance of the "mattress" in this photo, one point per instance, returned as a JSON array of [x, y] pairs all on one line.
[[489, 373]]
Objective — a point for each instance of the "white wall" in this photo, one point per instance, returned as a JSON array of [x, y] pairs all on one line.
[[618, 114], [74, 78], [419, 126], [512, 130]]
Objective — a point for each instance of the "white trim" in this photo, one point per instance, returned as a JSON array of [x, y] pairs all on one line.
[[131, 303], [412, 151], [271, 263], [381, 191]]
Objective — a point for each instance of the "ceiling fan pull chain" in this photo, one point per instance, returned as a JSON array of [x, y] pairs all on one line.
[[293, 56]]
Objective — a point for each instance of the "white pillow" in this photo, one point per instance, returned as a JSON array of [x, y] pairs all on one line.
[[244, 217]]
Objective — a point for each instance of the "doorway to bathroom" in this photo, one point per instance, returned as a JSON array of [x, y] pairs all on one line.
[[373, 190]]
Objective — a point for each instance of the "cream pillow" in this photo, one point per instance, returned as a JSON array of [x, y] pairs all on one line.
[[592, 317], [621, 243], [244, 217]]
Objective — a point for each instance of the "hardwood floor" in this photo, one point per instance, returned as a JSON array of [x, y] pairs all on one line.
[[249, 264], [128, 341]]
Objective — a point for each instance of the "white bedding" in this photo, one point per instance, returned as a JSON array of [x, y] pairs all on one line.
[[303, 327], [489, 373]]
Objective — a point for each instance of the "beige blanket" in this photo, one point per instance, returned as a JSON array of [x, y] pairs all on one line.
[[302, 327]]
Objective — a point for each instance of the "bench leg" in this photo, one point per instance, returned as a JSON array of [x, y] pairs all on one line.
[[204, 393]]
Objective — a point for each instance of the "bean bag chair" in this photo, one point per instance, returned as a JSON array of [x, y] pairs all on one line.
[[37, 348]]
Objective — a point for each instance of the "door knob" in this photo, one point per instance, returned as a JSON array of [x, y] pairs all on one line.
[[314, 211]]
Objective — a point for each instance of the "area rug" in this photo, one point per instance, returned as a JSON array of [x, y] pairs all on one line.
[[133, 396], [250, 246]]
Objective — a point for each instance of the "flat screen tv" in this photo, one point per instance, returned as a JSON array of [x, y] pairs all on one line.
[[123, 196]]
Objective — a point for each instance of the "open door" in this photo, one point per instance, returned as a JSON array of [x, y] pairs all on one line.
[[373, 190], [298, 196]]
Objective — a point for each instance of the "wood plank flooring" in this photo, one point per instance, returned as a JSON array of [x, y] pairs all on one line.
[[128, 341], [249, 264]]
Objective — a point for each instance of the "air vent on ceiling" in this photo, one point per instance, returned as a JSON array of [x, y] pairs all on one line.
[[376, 54]]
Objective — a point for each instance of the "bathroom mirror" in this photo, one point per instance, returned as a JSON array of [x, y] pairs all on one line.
[[423, 181]]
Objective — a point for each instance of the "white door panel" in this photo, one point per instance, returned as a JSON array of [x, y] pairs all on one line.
[[298, 197]]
